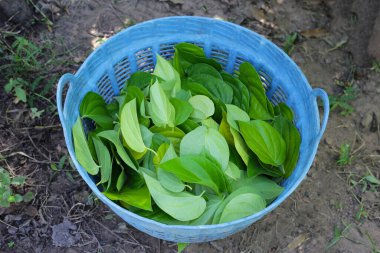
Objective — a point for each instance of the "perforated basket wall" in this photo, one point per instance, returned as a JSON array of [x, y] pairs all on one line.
[[108, 67]]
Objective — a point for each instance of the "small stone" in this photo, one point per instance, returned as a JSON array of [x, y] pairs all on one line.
[[81, 196], [367, 119], [12, 230]]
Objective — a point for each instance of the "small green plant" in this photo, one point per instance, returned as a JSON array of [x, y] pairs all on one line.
[[367, 182], [341, 102], [289, 43], [376, 67], [362, 213], [7, 184], [345, 157], [60, 165], [338, 234], [11, 244]]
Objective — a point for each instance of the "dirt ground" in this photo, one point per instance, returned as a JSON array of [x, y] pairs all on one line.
[[329, 212]]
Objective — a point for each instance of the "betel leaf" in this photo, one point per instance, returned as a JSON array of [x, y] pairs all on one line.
[[113, 137], [224, 129], [202, 68], [249, 76], [133, 92], [232, 171], [160, 216], [186, 54], [160, 153], [121, 180], [241, 206], [292, 139], [203, 107], [168, 180], [234, 114], [265, 141], [240, 146], [130, 128], [206, 218], [170, 80], [188, 126], [174, 135], [139, 198], [183, 110], [260, 185], [260, 106], [241, 96], [256, 168], [217, 87], [208, 141], [104, 159], [210, 123], [195, 88], [197, 169], [284, 110], [182, 206], [94, 107], [183, 94], [160, 108], [140, 79], [82, 150]]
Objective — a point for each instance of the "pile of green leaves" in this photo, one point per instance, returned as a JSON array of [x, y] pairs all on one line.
[[196, 140]]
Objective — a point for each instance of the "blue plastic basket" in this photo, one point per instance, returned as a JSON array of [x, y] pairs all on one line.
[[108, 67]]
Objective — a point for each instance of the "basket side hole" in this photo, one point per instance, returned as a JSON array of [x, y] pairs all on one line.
[[105, 88], [144, 60], [220, 56], [167, 50], [122, 71]]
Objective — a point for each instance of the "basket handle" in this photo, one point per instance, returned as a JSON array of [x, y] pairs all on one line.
[[320, 93], [65, 79]]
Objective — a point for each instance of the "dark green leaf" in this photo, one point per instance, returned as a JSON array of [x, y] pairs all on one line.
[[140, 79], [256, 168], [284, 110], [188, 126], [186, 54], [217, 87], [292, 140], [202, 68], [183, 110], [241, 96], [264, 141], [94, 107]]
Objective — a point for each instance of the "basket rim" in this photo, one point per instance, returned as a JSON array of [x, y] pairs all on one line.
[[249, 219]]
